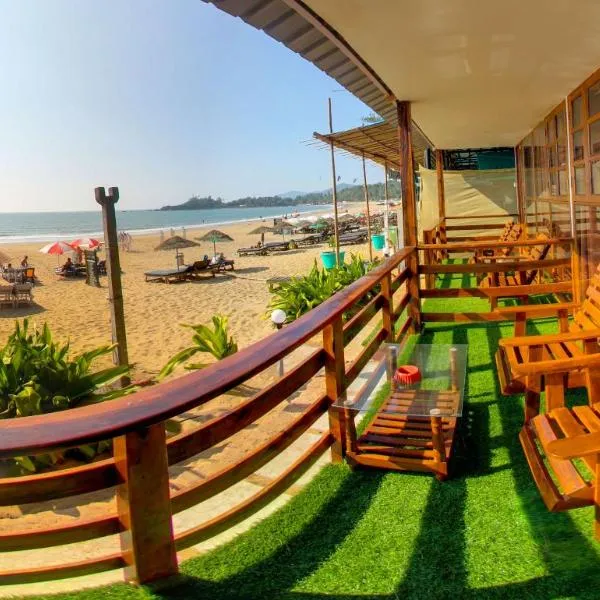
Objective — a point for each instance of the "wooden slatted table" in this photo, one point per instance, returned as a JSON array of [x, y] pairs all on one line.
[[408, 428]]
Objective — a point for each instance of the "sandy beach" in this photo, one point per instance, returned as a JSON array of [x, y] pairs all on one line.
[[154, 311]]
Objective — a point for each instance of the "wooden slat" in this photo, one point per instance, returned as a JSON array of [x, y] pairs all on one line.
[[59, 484], [212, 432], [67, 569], [363, 358], [452, 317], [499, 267], [570, 480], [571, 428], [588, 417], [249, 463], [257, 501], [365, 314], [401, 278], [493, 292], [484, 245], [402, 304]]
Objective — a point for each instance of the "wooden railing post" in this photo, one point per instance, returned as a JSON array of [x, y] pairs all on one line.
[[387, 310], [144, 505], [428, 256], [335, 370]]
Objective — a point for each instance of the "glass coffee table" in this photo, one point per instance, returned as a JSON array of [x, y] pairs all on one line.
[[407, 426]]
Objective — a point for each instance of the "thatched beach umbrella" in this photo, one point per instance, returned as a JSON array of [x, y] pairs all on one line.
[[176, 243], [262, 230], [214, 236], [4, 258]]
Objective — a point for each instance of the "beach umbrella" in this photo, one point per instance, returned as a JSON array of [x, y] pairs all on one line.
[[214, 236], [56, 248], [86, 243], [176, 243], [4, 258], [262, 230]]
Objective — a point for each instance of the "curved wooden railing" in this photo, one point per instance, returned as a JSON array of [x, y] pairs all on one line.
[[138, 474]]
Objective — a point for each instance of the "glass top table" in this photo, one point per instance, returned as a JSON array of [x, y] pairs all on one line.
[[439, 393]]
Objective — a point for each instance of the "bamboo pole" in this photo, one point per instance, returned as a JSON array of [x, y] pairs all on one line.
[[113, 270], [368, 209], [334, 193]]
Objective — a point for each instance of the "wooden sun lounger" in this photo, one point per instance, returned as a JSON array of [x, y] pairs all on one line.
[[512, 232], [353, 238], [7, 296], [276, 246], [249, 251], [168, 275], [23, 293]]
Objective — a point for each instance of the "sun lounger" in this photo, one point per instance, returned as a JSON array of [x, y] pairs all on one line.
[[22, 293], [7, 296], [248, 251], [276, 246], [168, 275], [200, 267], [353, 238]]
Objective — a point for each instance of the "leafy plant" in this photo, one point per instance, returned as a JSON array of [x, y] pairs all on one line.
[[37, 376], [301, 294], [215, 341]]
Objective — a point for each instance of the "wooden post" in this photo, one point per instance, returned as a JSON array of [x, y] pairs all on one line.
[[520, 193], [387, 309], [336, 230], [368, 209], [333, 344], [409, 210], [113, 270], [439, 169], [144, 505]]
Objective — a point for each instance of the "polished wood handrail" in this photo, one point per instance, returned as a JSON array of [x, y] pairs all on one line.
[[43, 433]]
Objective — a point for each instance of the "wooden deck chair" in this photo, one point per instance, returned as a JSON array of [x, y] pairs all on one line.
[[517, 278], [512, 232]]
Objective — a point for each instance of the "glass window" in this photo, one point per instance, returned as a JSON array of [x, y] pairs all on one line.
[[580, 181], [554, 183], [560, 124], [562, 154], [594, 99], [578, 145], [595, 137], [577, 107], [596, 177], [563, 182]]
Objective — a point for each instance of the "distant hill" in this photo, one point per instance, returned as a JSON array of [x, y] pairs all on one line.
[[346, 193], [293, 194]]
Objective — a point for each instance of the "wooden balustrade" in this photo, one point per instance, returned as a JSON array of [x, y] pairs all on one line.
[[138, 473]]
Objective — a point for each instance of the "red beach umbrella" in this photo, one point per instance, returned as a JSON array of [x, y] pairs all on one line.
[[86, 243], [56, 248]]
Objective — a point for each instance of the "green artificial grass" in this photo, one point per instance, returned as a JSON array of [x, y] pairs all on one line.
[[353, 535]]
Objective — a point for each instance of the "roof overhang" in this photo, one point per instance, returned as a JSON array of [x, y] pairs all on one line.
[[478, 73], [377, 142]]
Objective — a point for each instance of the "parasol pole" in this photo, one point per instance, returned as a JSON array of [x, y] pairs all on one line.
[[214, 246], [368, 209], [334, 192]]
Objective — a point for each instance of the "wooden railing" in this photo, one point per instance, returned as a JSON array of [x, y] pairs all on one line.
[[138, 474]]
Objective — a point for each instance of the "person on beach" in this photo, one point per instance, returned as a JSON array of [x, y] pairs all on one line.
[[68, 266], [24, 262]]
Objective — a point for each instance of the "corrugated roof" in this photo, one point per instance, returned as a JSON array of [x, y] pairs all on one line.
[[378, 142]]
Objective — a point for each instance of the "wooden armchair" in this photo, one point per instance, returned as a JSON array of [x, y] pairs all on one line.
[[512, 232]]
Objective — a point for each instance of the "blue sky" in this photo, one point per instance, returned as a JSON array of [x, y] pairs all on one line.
[[164, 99]]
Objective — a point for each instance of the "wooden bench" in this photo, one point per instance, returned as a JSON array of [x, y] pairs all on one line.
[[562, 445]]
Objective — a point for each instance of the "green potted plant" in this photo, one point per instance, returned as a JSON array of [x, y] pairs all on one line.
[[328, 256], [377, 237]]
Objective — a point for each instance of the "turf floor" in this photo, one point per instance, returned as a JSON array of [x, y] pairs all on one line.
[[485, 533]]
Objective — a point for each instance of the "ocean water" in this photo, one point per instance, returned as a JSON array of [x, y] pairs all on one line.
[[50, 226]]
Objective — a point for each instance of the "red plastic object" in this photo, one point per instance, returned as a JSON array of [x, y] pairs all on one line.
[[407, 374]]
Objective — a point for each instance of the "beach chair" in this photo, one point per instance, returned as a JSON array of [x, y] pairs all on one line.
[[201, 267], [7, 296], [23, 293], [222, 264], [276, 246], [252, 250], [168, 275]]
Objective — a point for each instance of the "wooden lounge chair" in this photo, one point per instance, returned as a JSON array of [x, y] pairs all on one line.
[[517, 278], [7, 296], [512, 232], [276, 246], [575, 340], [168, 275], [200, 267], [249, 251], [22, 293]]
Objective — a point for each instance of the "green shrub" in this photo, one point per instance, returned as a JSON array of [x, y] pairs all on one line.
[[37, 376], [301, 294], [215, 341]]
